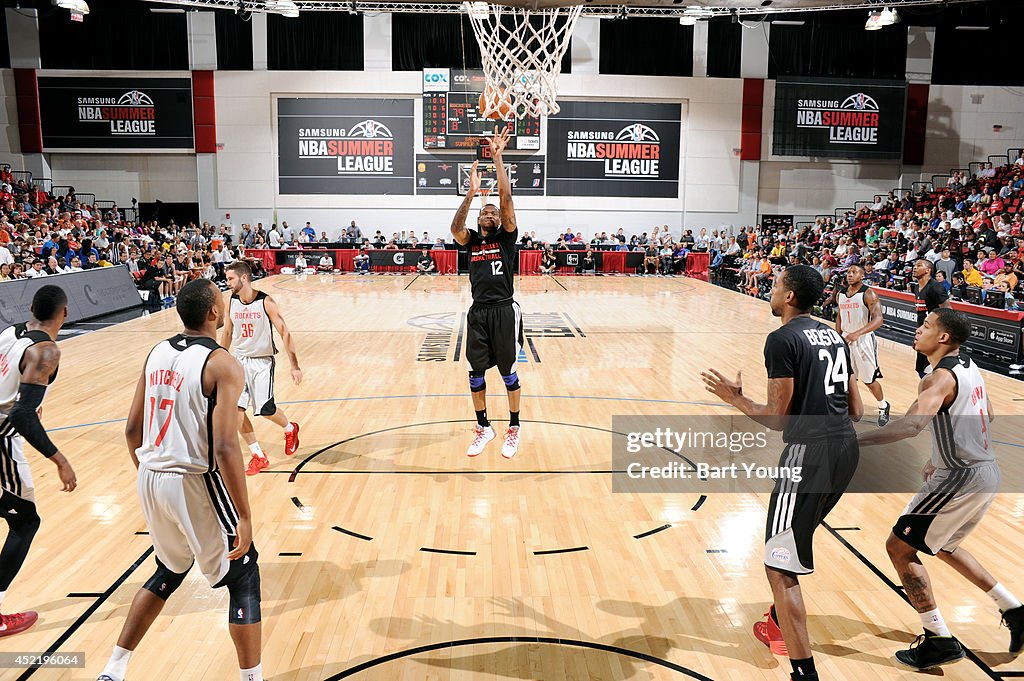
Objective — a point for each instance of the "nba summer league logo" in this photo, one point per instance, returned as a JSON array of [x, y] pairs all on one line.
[[446, 331], [634, 151], [852, 121], [133, 113], [368, 148]]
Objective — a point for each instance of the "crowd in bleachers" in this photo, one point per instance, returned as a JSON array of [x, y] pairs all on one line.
[[970, 229]]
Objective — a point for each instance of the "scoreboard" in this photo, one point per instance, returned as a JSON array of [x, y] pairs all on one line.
[[451, 119]]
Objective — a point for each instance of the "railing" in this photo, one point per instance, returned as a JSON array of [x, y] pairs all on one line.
[[130, 214], [45, 183], [928, 186], [61, 190], [18, 175], [86, 198]]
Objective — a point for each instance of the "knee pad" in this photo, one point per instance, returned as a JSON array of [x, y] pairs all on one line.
[[243, 583], [511, 381], [476, 381], [164, 582]]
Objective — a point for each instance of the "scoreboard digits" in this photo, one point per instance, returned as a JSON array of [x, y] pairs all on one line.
[[451, 119]]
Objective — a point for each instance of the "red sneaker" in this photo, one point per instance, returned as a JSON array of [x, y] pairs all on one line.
[[17, 622], [768, 633], [256, 464], [291, 440]]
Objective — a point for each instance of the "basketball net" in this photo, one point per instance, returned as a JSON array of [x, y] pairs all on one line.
[[522, 52]]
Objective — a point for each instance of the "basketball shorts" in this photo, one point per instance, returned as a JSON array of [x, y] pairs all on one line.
[[948, 508], [190, 519], [15, 475], [494, 337], [864, 354], [798, 507], [259, 385]]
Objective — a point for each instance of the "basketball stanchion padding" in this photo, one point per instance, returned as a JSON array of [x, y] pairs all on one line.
[[522, 52]]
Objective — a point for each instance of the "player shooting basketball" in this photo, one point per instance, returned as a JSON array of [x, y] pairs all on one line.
[[495, 329]]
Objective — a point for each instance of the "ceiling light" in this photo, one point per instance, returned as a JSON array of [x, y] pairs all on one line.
[[788, 23], [286, 8], [971, 28], [688, 20], [80, 6], [888, 17], [874, 21]]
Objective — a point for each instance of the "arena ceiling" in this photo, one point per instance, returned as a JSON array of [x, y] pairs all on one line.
[[702, 8]]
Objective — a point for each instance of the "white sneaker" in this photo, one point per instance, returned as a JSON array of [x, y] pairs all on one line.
[[483, 436], [511, 446]]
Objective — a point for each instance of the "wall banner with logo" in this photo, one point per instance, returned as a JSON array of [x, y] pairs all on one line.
[[345, 146], [614, 149], [838, 118], [100, 114]]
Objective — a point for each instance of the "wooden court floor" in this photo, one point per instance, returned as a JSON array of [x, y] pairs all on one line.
[[391, 556]]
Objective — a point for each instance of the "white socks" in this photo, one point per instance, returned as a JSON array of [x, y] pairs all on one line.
[[254, 674], [117, 666], [932, 621], [257, 450], [2, 594], [883, 404], [289, 428], [999, 593]]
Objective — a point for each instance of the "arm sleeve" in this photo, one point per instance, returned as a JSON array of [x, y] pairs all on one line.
[[26, 421], [780, 356]]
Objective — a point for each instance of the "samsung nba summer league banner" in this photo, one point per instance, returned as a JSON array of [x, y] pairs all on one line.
[[838, 118], [614, 149], [345, 146], [99, 114]]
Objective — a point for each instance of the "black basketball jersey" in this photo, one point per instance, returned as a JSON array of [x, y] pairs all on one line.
[[491, 263], [817, 358], [929, 298]]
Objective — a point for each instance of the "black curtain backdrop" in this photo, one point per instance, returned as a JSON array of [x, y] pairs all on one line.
[[836, 45], [646, 46], [315, 41], [991, 57], [724, 40], [5, 50], [234, 42], [421, 41], [116, 34]]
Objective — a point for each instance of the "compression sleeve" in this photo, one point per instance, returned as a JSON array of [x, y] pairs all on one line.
[[26, 421]]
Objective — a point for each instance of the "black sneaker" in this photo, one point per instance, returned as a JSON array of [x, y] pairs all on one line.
[[1014, 620], [806, 677], [883, 415], [928, 651]]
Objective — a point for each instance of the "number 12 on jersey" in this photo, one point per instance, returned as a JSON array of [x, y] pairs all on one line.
[[837, 371], [496, 268]]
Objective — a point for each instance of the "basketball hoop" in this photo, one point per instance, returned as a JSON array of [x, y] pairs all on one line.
[[522, 52], [485, 193]]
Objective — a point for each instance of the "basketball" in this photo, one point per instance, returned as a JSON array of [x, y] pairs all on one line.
[[492, 99]]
